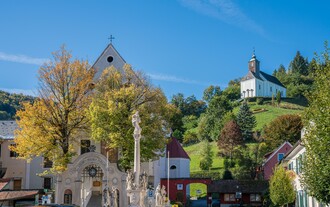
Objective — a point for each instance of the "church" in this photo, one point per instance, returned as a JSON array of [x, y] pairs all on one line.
[[91, 171], [260, 84], [95, 169]]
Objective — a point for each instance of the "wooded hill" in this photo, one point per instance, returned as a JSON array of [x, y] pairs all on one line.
[[10, 103]]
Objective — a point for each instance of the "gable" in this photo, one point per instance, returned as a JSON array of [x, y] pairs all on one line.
[[109, 57], [271, 79], [251, 75], [280, 149]]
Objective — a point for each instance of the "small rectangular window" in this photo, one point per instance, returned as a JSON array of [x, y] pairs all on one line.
[[17, 184], [280, 156], [47, 163], [271, 89], [47, 183], [255, 197], [13, 153], [230, 197]]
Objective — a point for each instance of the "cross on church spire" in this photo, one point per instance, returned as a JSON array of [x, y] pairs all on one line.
[[111, 38], [254, 53]]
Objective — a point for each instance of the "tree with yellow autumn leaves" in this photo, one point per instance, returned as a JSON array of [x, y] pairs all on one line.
[[50, 126]]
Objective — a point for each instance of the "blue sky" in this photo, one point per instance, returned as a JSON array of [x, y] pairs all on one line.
[[184, 45]]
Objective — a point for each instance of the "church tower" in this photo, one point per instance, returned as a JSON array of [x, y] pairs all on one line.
[[254, 64]]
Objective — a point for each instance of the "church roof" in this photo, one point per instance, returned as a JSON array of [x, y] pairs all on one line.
[[175, 149], [7, 129], [109, 57], [251, 75], [272, 79], [265, 76]]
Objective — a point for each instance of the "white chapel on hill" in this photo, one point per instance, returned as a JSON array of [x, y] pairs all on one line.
[[259, 84]]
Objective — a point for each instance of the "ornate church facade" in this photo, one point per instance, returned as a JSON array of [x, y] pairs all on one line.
[[260, 84]]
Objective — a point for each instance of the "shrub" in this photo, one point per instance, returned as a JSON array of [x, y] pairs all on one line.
[[260, 101]]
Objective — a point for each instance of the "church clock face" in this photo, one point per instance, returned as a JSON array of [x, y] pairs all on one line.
[[92, 171]]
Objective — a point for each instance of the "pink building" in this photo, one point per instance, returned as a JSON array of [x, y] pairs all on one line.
[[272, 158]]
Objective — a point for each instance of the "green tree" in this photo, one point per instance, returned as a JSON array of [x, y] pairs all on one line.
[[283, 128], [299, 65], [246, 121], [117, 96], [206, 156], [217, 108], [202, 132], [52, 125], [280, 187], [232, 92], [190, 137], [210, 92], [316, 166], [278, 98], [230, 138]]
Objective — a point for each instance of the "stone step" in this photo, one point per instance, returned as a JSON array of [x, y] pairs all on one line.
[[95, 201]]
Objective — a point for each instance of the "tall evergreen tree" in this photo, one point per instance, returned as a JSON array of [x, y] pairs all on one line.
[[299, 65], [246, 121], [206, 156]]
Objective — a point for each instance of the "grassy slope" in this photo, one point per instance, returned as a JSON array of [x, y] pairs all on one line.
[[267, 115]]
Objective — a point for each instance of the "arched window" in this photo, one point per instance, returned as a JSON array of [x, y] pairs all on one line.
[[67, 196], [173, 167]]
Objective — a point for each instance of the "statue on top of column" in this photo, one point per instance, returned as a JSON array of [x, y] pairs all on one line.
[[137, 129]]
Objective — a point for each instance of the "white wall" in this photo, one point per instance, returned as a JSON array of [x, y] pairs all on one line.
[[248, 84]]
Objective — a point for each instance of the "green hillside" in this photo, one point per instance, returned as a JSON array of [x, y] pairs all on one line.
[[264, 114]]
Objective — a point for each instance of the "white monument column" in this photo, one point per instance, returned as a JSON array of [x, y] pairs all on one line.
[[137, 136], [134, 188]]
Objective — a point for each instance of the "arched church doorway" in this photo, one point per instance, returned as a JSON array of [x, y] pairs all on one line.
[[92, 180]]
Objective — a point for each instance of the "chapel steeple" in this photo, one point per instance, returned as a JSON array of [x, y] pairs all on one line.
[[254, 64]]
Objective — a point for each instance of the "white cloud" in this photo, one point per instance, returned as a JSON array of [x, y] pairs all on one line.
[[22, 59], [169, 78], [224, 10], [19, 91]]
